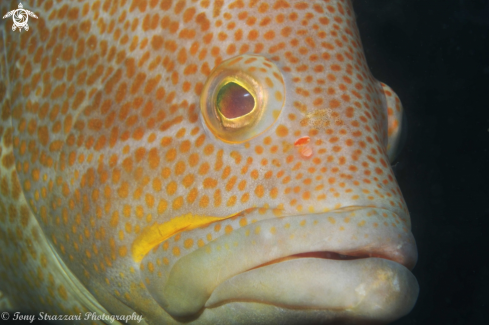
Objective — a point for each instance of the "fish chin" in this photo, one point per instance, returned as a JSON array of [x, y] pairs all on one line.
[[367, 289]]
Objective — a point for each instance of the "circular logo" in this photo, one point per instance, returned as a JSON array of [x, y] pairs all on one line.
[[5, 315], [20, 18]]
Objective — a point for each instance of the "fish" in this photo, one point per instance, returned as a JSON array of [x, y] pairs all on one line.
[[199, 162]]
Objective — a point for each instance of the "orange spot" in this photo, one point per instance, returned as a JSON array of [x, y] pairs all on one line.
[[334, 103], [177, 203], [278, 96], [209, 182], [171, 155], [151, 267], [180, 168], [209, 149], [162, 205], [188, 180], [243, 222], [43, 135], [62, 292], [242, 185], [188, 243], [171, 188], [122, 251], [192, 195], [200, 243], [253, 35], [231, 201], [282, 131], [204, 201], [188, 14], [270, 35], [228, 229], [259, 191], [204, 168], [245, 198]]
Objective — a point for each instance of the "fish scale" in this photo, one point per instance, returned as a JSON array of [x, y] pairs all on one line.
[[112, 149]]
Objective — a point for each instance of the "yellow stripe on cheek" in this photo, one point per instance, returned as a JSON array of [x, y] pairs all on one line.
[[157, 233]]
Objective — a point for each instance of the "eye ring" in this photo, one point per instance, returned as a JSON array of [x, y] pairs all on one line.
[[252, 75]]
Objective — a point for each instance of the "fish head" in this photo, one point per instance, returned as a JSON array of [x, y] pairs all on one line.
[[221, 161]]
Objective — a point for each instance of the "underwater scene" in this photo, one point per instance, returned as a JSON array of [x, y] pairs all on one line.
[[244, 161]]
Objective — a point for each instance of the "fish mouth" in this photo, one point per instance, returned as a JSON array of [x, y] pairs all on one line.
[[344, 287], [348, 261]]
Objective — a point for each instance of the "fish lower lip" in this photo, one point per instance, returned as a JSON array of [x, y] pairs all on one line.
[[352, 288], [183, 288], [337, 284]]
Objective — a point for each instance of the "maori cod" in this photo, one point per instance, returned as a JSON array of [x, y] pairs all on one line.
[[200, 162]]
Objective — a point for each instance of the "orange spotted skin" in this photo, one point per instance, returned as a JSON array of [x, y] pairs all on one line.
[[103, 145]]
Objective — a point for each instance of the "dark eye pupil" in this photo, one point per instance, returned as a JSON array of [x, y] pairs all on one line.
[[234, 101]]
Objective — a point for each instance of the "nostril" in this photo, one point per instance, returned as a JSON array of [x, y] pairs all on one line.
[[302, 141], [302, 145]]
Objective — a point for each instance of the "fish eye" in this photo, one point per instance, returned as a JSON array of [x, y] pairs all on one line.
[[242, 98]]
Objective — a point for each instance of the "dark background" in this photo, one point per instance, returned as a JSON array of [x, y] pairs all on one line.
[[435, 55]]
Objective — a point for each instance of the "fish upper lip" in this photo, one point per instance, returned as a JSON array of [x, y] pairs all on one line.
[[388, 253], [191, 280]]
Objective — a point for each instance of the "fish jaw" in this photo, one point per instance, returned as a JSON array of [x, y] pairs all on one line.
[[276, 261]]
